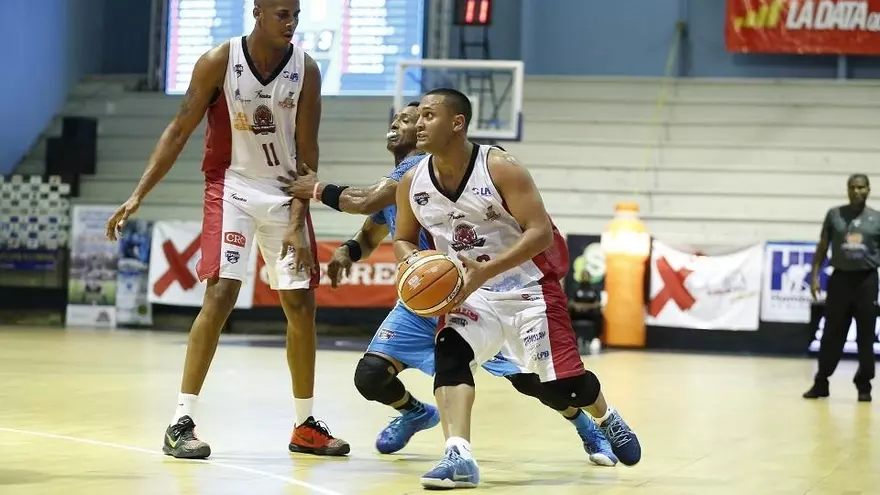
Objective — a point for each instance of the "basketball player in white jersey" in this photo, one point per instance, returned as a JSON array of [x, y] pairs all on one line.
[[482, 208], [262, 95]]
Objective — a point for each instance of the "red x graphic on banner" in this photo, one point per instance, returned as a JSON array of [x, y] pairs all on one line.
[[177, 269], [673, 288]]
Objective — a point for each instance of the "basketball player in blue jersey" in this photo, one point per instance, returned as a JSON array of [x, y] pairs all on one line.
[[405, 340]]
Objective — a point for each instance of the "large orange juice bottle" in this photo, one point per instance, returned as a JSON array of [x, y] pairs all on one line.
[[627, 246]]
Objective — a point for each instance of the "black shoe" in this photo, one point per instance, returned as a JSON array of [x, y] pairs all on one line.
[[181, 441], [817, 391], [864, 396]]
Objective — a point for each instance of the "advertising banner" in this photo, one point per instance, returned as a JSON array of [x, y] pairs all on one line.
[[842, 27], [372, 284], [34, 223], [94, 259], [132, 280], [785, 291], [718, 292], [175, 250]]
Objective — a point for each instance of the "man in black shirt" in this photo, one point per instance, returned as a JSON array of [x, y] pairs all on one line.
[[853, 232]]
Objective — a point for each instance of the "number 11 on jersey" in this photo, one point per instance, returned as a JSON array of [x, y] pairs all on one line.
[[271, 156]]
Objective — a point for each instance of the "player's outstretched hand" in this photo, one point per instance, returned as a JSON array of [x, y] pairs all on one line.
[[340, 264], [300, 185], [303, 260], [117, 220], [474, 277]]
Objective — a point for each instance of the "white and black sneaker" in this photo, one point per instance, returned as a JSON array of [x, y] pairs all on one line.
[[181, 441]]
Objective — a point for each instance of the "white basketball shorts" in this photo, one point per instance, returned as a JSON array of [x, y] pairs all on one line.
[[530, 325], [240, 212]]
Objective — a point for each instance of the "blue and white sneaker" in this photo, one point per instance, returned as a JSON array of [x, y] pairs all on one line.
[[595, 443], [623, 440], [397, 434], [453, 471]]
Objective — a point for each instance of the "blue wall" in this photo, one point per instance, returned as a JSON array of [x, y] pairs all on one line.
[[51, 45]]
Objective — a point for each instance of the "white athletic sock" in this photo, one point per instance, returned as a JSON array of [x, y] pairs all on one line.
[[608, 413], [464, 447], [303, 409], [186, 405]]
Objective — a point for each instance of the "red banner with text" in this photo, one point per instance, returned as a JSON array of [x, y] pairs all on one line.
[[372, 283], [843, 27]]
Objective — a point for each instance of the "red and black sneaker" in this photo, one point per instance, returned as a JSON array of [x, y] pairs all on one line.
[[313, 437]]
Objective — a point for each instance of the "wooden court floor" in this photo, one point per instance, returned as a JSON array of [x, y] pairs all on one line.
[[83, 412]]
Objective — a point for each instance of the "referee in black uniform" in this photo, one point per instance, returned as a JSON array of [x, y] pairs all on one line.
[[853, 232]]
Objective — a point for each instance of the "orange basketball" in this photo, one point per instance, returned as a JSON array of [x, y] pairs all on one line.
[[428, 283]]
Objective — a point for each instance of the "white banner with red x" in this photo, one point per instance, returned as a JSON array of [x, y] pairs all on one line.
[[718, 292], [174, 253]]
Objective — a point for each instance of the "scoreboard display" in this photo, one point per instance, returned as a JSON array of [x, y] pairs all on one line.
[[356, 43]]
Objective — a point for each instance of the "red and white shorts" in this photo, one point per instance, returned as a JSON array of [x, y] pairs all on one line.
[[239, 212], [530, 325]]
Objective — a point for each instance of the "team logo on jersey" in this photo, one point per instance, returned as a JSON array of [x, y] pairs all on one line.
[[288, 102], [464, 238], [481, 191], [241, 122], [421, 198], [232, 257], [239, 70], [264, 121], [491, 214]]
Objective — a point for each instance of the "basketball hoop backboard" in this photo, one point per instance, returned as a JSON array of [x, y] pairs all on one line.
[[495, 88]]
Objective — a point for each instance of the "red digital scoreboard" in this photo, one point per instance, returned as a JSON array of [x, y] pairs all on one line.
[[473, 12]]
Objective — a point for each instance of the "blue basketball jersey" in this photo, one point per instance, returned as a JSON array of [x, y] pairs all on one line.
[[388, 215]]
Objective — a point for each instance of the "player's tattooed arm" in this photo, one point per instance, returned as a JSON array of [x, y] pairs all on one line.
[[355, 200], [308, 122], [517, 188], [407, 227], [206, 82]]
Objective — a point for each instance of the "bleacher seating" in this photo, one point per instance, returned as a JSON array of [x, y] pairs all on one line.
[[719, 161]]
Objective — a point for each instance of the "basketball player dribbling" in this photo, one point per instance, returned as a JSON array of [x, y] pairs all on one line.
[[262, 95], [404, 339], [482, 208]]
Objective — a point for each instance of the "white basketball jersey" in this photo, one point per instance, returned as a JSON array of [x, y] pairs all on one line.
[[262, 112], [475, 224]]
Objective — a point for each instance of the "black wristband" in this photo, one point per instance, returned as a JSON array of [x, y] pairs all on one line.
[[354, 249], [330, 195]]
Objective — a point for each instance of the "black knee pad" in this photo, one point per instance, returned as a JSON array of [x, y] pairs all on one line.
[[530, 384], [452, 360], [376, 379], [576, 391]]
